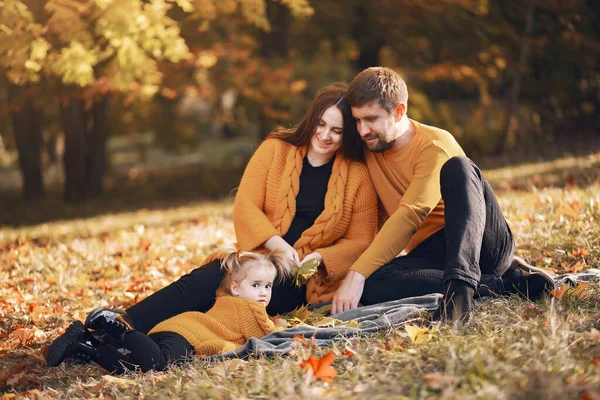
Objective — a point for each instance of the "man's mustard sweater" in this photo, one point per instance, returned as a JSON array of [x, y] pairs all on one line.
[[408, 185]]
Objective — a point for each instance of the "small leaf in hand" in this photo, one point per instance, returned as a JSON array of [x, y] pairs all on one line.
[[303, 272]]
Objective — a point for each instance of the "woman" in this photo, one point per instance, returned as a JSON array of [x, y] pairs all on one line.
[[303, 193]]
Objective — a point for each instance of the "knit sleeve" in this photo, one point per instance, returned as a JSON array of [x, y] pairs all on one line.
[[338, 257], [422, 195], [252, 226]]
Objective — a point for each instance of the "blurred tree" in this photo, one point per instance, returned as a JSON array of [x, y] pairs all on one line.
[[91, 50]]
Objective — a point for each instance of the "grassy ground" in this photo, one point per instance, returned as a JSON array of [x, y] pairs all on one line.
[[58, 270]]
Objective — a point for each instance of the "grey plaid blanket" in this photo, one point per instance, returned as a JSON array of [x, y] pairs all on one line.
[[372, 318]]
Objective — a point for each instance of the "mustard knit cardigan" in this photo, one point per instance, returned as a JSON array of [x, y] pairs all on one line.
[[266, 204], [226, 326]]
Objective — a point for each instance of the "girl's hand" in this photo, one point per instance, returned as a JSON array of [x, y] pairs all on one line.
[[280, 322]]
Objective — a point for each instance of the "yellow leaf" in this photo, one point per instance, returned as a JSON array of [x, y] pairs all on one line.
[[321, 311], [227, 367], [581, 291], [300, 313], [118, 381], [303, 272], [419, 334], [82, 280], [325, 322], [352, 324]]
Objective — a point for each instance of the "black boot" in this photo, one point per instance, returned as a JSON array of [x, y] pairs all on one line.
[[457, 303], [526, 280], [110, 323], [74, 343]]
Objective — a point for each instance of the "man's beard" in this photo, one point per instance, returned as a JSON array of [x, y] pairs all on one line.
[[379, 146]]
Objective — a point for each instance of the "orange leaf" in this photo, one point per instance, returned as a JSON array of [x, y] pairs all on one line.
[[580, 252], [559, 293], [320, 368], [581, 291], [576, 267], [8, 373], [145, 244], [349, 352]]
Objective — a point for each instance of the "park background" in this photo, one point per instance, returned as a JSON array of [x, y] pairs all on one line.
[[125, 127], [165, 100]]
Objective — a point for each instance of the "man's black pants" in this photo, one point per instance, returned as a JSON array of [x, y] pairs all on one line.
[[475, 246]]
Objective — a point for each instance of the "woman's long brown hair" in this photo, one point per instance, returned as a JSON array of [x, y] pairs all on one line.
[[332, 95]]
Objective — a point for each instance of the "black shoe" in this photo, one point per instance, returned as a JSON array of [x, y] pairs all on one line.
[[526, 280], [457, 303], [74, 343], [113, 322]]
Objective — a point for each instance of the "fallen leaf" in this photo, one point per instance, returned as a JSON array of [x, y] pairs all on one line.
[[7, 374], [576, 267], [27, 335], [590, 396], [352, 324], [349, 351], [581, 291], [301, 313], [560, 292], [326, 322], [580, 252], [321, 311], [227, 367], [439, 381], [145, 244], [419, 334], [118, 381], [321, 369]]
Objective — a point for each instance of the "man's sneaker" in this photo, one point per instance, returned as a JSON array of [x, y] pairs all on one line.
[[526, 280], [71, 344], [113, 322]]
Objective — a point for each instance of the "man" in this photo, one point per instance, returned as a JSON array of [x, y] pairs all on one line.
[[444, 226]]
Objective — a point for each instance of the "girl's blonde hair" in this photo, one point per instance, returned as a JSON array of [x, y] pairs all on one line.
[[235, 262]]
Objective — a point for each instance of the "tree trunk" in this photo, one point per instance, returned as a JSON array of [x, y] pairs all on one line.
[[511, 116], [27, 126], [74, 159], [96, 149], [276, 42], [370, 44]]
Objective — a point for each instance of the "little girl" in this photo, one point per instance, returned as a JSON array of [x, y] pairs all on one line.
[[239, 313]]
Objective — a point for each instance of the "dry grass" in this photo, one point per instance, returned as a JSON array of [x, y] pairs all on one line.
[[511, 349]]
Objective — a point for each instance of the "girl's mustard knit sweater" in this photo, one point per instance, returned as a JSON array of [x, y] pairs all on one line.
[[265, 205], [226, 326]]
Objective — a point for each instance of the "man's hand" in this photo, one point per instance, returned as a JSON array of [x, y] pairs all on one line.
[[348, 295]]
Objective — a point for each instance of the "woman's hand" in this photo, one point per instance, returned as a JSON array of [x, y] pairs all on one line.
[[313, 256], [277, 244]]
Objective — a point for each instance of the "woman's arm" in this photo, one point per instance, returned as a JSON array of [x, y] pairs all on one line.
[[251, 224], [339, 257]]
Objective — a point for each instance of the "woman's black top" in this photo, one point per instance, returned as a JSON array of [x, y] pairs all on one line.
[[310, 200]]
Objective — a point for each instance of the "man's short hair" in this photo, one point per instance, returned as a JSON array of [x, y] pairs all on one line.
[[377, 84]]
